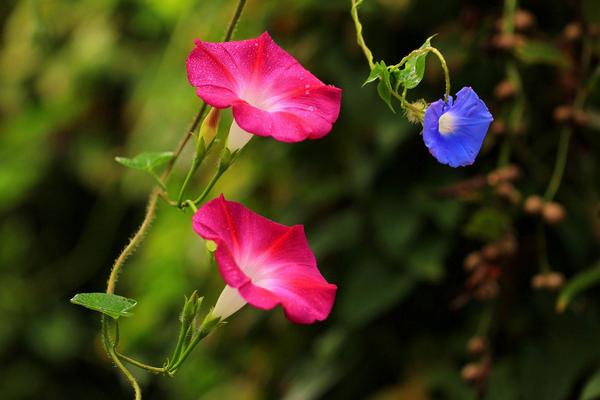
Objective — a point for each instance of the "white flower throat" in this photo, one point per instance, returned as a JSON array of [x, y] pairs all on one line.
[[446, 123]]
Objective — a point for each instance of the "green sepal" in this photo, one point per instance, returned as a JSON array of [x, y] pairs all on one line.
[[109, 304], [146, 161]]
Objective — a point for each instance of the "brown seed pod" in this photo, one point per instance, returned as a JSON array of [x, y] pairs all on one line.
[[538, 281], [475, 372], [548, 280], [477, 345], [487, 291], [504, 90], [580, 117], [508, 245], [562, 113], [523, 19], [533, 204], [554, 280], [472, 261], [491, 251], [498, 127], [572, 31], [507, 41], [553, 212]]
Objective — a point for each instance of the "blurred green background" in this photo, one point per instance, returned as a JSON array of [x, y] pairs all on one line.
[[84, 81]]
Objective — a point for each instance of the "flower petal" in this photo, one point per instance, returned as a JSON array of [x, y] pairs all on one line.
[[470, 122], [267, 262], [271, 93]]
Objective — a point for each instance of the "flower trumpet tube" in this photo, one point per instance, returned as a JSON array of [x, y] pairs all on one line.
[[263, 263], [453, 131], [269, 92]]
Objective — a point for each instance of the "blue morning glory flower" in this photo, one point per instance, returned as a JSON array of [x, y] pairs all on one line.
[[454, 131]]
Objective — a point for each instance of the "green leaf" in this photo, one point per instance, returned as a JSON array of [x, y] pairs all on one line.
[[376, 73], [384, 87], [146, 161], [109, 304], [539, 52], [579, 283], [591, 391], [487, 224], [414, 68]]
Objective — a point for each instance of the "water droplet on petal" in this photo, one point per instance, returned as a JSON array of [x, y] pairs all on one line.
[[306, 86], [307, 92]]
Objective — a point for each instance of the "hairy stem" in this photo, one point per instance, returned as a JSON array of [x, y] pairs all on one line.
[[359, 36]]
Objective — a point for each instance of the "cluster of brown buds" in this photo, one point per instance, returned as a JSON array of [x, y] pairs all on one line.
[[522, 21], [551, 211], [485, 267], [502, 180]]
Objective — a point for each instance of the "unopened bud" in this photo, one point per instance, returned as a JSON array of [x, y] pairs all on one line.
[[190, 308], [533, 204], [553, 213], [210, 125]]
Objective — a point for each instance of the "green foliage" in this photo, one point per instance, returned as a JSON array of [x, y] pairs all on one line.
[[108, 304], [540, 52], [146, 161], [487, 224], [384, 87], [98, 78], [414, 68], [591, 390], [579, 283]]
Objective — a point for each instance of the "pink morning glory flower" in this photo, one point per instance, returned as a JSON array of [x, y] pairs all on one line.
[[269, 92], [263, 263]]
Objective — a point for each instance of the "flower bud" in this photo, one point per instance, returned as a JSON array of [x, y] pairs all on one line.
[[190, 308], [533, 205], [553, 213], [210, 125]]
